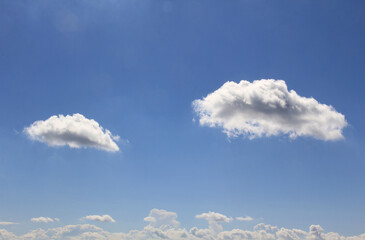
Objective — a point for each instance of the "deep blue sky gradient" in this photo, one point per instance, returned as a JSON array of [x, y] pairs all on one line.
[[135, 67]]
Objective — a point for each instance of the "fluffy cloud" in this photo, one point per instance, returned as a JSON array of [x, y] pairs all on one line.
[[76, 131], [160, 217], [247, 218], [43, 220], [173, 232], [7, 223], [214, 219], [213, 216], [5, 235], [266, 108], [99, 218]]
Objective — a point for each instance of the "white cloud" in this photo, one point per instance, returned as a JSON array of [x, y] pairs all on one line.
[[315, 232], [266, 108], [7, 223], [160, 217], [173, 232], [99, 218], [214, 219], [247, 218], [265, 227], [43, 220], [239, 234], [290, 234], [202, 233], [6, 235], [213, 216], [76, 131]]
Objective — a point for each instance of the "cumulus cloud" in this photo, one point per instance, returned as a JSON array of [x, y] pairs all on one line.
[[6, 235], [43, 220], [99, 218], [161, 217], [7, 223], [76, 131], [214, 219], [266, 108], [247, 218], [173, 232], [213, 216]]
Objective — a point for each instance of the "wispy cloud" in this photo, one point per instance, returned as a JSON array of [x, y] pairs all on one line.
[[44, 220], [266, 108], [76, 131], [247, 218], [7, 223]]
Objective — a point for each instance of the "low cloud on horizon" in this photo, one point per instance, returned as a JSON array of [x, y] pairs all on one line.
[[163, 224], [266, 108], [75, 131]]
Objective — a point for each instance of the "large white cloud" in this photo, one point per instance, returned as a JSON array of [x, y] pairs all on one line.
[[76, 131], [100, 218], [266, 108], [43, 220], [173, 232]]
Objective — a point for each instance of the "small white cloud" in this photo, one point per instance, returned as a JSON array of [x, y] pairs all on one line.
[[247, 218], [213, 216], [100, 218], [266, 108], [76, 131], [7, 223], [161, 217], [43, 220]]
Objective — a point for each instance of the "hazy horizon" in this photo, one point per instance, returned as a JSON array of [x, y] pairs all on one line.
[[194, 119]]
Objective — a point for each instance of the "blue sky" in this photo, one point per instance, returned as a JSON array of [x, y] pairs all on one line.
[[135, 67]]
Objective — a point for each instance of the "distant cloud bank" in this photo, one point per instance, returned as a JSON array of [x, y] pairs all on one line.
[[76, 131], [99, 218], [266, 108], [164, 225]]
